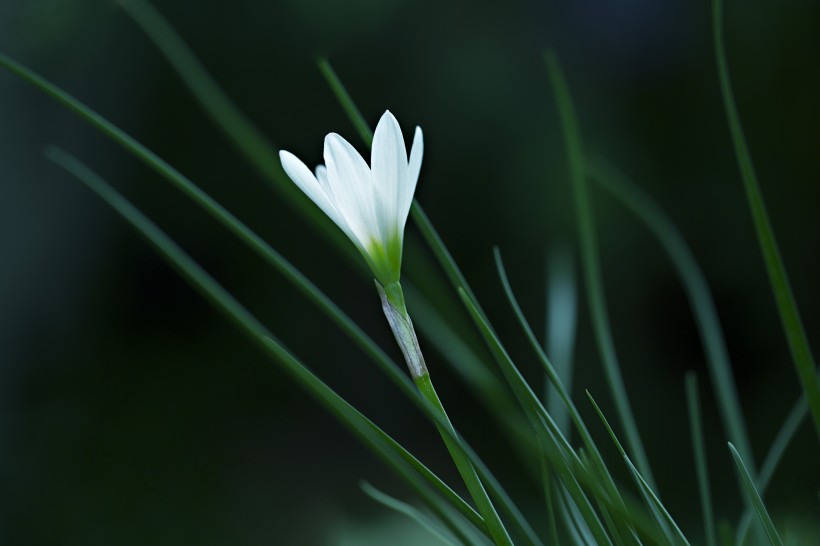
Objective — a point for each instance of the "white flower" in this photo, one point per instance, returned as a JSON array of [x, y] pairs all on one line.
[[370, 204]]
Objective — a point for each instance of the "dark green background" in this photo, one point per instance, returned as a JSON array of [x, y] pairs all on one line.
[[131, 413]]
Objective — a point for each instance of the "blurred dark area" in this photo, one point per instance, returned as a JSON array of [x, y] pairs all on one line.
[[131, 412]]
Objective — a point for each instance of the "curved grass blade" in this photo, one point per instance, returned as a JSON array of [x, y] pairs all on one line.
[[434, 242], [435, 328], [784, 437], [380, 442], [205, 89], [703, 307], [557, 446], [550, 371], [619, 530], [786, 305], [551, 501], [256, 244], [241, 131], [344, 98], [573, 522], [463, 358], [696, 429], [663, 518], [406, 509], [247, 236], [558, 450], [697, 291], [754, 498], [592, 267], [560, 390], [249, 140], [471, 368], [465, 467]]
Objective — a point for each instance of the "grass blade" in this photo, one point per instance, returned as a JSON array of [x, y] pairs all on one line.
[[555, 380], [254, 242], [696, 428], [787, 307], [406, 509], [380, 442], [468, 364], [551, 502], [562, 317], [248, 237], [248, 139], [244, 234], [558, 450], [573, 522], [781, 441], [664, 519], [439, 250], [697, 291], [784, 436], [540, 419], [592, 267], [344, 98], [754, 498]]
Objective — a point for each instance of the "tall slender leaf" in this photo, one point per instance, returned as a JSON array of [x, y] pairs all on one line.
[[541, 420], [697, 292], [696, 428], [410, 511], [775, 454], [591, 265], [235, 226], [786, 305], [378, 441], [258, 245], [664, 519], [754, 498], [555, 380]]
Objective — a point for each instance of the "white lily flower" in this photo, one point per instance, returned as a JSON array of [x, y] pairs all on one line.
[[369, 203]]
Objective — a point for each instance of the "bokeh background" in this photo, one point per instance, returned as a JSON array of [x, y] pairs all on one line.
[[131, 413]]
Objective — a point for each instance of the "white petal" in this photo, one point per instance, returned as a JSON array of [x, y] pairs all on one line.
[[302, 177], [389, 164], [321, 176], [406, 198], [350, 187]]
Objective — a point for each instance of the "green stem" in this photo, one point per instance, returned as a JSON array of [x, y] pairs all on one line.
[[465, 468], [392, 298]]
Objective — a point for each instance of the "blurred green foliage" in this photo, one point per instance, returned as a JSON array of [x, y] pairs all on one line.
[[131, 413]]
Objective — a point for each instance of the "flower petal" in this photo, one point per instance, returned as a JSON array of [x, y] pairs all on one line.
[[413, 169], [302, 177], [389, 164], [350, 188], [321, 176]]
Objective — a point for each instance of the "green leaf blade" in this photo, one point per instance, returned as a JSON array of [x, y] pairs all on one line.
[[755, 499], [795, 332], [591, 266]]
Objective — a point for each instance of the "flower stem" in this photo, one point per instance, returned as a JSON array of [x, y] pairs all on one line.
[[399, 320]]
